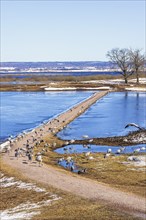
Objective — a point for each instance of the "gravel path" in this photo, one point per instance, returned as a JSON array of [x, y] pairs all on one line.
[[71, 182]]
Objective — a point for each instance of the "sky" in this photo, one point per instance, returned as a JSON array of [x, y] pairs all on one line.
[[45, 30]]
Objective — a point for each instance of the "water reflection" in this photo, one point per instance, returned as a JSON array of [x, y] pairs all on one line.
[[108, 116], [26, 110], [70, 165], [73, 149]]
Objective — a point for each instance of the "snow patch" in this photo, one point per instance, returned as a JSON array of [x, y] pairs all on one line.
[[136, 89], [26, 210], [139, 161], [59, 89], [116, 81], [4, 145], [74, 88], [10, 181]]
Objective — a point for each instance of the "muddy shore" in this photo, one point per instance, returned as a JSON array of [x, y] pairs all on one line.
[[133, 138]]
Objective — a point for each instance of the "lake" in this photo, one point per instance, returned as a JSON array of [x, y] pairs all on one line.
[[109, 116], [25, 110]]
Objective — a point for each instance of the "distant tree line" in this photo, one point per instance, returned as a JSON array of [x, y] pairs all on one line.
[[129, 61]]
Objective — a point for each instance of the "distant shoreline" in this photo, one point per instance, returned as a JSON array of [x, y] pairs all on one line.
[[62, 72]]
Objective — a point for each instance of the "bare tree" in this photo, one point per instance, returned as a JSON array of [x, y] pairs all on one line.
[[121, 58], [137, 60]]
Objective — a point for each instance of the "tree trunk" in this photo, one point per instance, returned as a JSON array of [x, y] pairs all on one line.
[[137, 77], [125, 76], [126, 81]]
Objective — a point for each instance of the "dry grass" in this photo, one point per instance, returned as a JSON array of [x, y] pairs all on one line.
[[60, 81], [110, 170], [57, 78], [62, 78], [68, 207], [13, 196], [76, 208]]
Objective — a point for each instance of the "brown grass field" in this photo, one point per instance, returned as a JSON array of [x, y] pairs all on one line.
[[109, 170], [68, 207], [36, 82]]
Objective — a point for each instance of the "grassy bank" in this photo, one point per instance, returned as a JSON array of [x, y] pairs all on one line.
[[111, 170]]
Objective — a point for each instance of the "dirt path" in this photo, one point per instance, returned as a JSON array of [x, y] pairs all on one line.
[[79, 185], [71, 182]]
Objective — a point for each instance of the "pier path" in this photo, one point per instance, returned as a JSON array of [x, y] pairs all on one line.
[[57, 123]]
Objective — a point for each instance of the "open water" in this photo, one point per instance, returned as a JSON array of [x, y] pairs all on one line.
[[109, 116], [78, 148], [22, 75], [25, 110]]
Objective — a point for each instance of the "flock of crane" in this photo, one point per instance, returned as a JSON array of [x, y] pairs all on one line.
[[68, 149], [69, 162]]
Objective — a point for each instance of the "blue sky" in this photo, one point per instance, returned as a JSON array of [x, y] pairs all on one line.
[[69, 30]]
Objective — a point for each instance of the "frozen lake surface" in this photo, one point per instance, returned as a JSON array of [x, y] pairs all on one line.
[[109, 116]]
